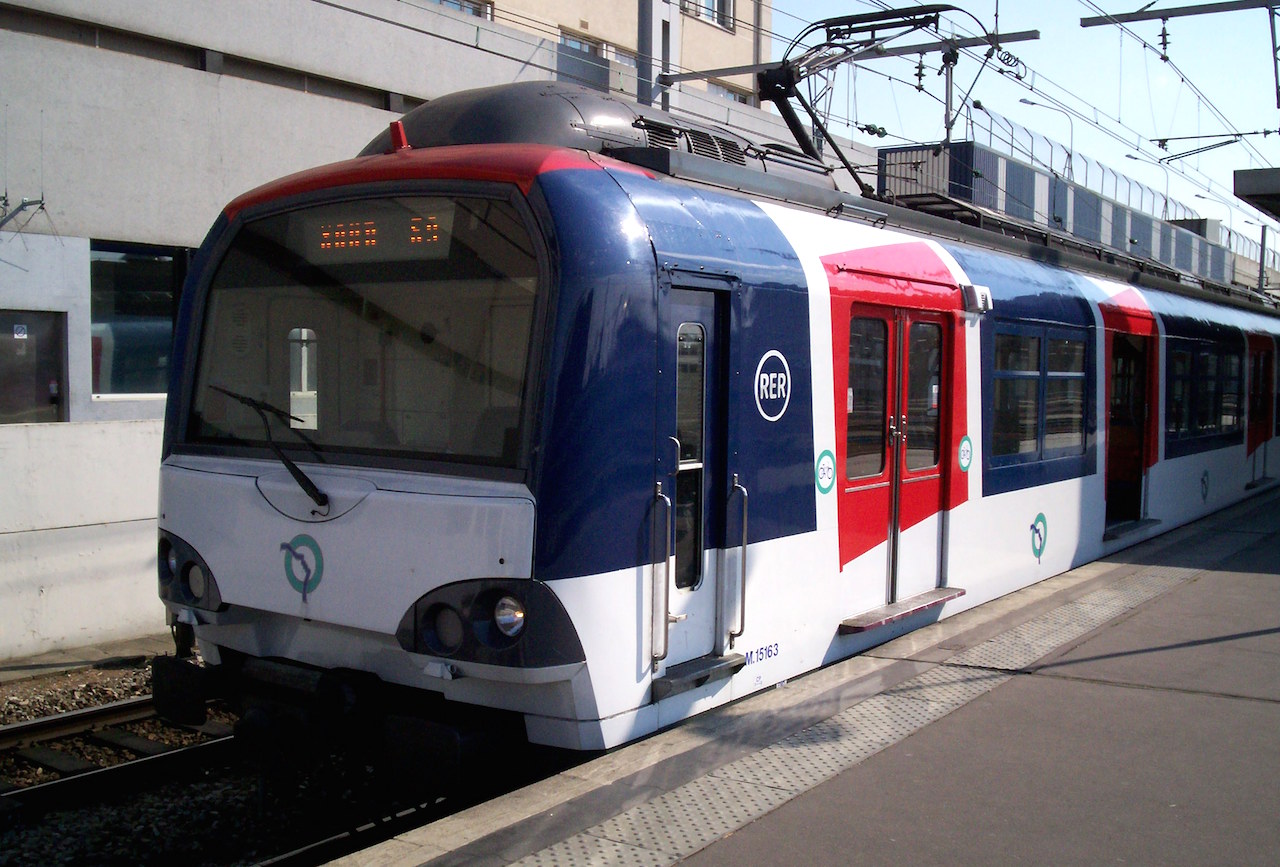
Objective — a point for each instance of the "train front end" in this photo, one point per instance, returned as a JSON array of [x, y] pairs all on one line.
[[345, 498]]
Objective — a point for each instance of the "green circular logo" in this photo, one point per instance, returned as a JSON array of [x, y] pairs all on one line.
[[965, 454], [825, 472], [303, 564], [1039, 535]]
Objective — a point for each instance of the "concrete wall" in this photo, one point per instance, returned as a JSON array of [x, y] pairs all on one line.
[[77, 534]]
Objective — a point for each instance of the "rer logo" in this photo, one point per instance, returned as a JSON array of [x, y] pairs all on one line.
[[1039, 535], [303, 564], [773, 385]]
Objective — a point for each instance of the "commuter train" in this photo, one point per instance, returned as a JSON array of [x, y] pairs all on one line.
[[562, 407]]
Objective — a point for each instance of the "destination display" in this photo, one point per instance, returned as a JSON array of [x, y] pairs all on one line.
[[379, 230]]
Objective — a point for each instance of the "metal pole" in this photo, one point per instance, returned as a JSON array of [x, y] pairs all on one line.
[[1262, 262], [644, 53], [946, 121]]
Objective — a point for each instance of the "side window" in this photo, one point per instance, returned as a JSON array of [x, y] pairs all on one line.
[[1204, 393], [1039, 408], [1178, 405], [1064, 396], [868, 389], [1016, 392]]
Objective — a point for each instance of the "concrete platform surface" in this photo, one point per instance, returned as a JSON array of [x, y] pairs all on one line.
[[1125, 712], [85, 657]]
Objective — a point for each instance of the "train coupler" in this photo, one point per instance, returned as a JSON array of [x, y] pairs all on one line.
[[181, 689]]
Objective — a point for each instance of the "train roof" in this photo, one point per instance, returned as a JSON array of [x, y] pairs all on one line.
[[572, 116]]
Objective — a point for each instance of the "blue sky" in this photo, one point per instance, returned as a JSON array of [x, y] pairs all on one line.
[[1094, 74]]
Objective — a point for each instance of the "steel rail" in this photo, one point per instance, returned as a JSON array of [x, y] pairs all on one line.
[[128, 776], [75, 722]]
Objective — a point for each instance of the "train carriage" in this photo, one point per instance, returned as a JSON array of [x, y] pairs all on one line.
[[505, 413]]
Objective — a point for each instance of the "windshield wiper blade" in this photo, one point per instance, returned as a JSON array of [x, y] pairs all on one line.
[[319, 497]]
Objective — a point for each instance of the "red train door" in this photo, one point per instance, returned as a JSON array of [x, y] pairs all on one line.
[[1132, 382], [1127, 447], [891, 489]]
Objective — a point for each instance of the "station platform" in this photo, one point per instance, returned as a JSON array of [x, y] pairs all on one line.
[[1127, 711], [100, 656]]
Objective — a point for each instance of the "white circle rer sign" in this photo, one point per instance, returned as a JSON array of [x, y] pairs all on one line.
[[773, 385]]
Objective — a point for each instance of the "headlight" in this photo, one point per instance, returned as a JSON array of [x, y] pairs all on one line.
[[508, 614], [171, 560], [196, 581], [448, 626]]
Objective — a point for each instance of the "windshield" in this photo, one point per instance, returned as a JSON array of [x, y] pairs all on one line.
[[395, 326]]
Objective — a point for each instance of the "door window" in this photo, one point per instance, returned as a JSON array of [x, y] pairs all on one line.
[[691, 356], [924, 367], [868, 387]]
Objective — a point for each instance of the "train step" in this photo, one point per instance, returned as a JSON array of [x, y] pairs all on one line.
[[695, 673], [898, 610], [1124, 528]]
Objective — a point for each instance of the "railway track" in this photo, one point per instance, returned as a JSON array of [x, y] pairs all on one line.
[[157, 801], [70, 758]]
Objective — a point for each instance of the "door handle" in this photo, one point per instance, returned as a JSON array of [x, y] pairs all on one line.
[[742, 580], [662, 609]]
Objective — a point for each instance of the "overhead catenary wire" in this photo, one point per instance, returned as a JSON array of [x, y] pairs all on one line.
[[1200, 95], [1067, 100]]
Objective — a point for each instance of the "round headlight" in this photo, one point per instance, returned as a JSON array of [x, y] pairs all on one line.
[[196, 582], [508, 614], [447, 625], [171, 559]]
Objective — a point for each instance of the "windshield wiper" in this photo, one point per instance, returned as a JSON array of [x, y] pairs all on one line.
[[319, 497]]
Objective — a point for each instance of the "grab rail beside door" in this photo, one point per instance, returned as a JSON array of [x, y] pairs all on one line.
[[661, 591], [742, 581]]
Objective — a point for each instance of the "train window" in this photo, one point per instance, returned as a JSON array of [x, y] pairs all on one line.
[[1178, 405], [868, 388], [32, 375], [133, 291], [690, 351], [397, 326], [1204, 393], [1039, 392], [924, 360], [1016, 393], [691, 358], [1064, 396]]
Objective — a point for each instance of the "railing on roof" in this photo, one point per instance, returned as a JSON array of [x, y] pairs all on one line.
[[1037, 192]]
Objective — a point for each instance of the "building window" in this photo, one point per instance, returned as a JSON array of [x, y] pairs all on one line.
[[469, 7], [1038, 388], [1203, 392], [133, 297], [719, 90], [716, 11], [579, 43], [622, 57], [33, 346]]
